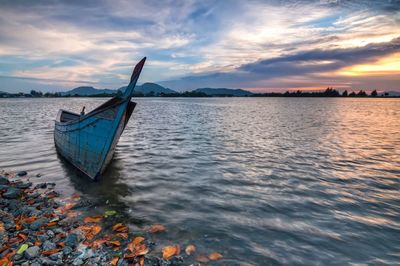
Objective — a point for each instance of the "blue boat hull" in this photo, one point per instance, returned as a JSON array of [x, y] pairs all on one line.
[[89, 141]]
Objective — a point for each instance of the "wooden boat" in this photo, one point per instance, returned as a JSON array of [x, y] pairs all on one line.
[[88, 140]]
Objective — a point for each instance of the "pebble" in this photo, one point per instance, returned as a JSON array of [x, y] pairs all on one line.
[[4, 181], [71, 240], [22, 173], [12, 193], [37, 224], [32, 252], [67, 250], [23, 185], [77, 262], [50, 233], [47, 245]]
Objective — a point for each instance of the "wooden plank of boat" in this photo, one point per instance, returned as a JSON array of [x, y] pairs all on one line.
[[88, 140]]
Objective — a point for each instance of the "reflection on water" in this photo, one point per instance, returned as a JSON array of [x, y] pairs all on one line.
[[274, 180]]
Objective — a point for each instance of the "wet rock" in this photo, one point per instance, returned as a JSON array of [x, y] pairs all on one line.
[[37, 224], [47, 245], [23, 185], [32, 252], [25, 263], [35, 264], [72, 240], [122, 262], [22, 173], [56, 257], [4, 181], [47, 261], [4, 187], [12, 193], [41, 185], [67, 250], [50, 233], [77, 262], [39, 175]]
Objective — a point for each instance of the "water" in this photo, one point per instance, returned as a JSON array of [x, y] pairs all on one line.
[[260, 180]]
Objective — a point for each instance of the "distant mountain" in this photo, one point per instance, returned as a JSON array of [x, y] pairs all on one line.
[[148, 87], [224, 92], [87, 91]]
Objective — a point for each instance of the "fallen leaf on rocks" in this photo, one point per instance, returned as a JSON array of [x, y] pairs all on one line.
[[22, 248], [51, 224], [93, 219], [141, 250], [120, 228], [157, 228], [22, 236], [50, 252], [60, 244], [170, 251], [5, 262], [137, 240], [141, 261], [190, 249], [122, 235], [114, 261], [90, 231], [201, 258], [215, 256], [38, 243], [114, 243], [97, 243]]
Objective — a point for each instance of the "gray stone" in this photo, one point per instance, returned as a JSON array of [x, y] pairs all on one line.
[[12, 193], [50, 233], [22, 173], [23, 185], [4, 181], [122, 262], [25, 263], [56, 257], [37, 224], [77, 262], [72, 240], [35, 264], [67, 250], [47, 245], [32, 252]]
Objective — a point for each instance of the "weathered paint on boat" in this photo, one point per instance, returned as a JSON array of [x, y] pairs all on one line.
[[88, 141]]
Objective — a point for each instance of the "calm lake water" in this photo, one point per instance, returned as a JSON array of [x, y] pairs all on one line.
[[261, 180]]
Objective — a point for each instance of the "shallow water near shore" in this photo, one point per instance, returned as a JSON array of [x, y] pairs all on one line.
[[260, 180]]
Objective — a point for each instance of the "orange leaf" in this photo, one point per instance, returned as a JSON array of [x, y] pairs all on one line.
[[114, 261], [141, 261], [38, 243], [137, 240], [170, 251], [190, 249], [122, 235], [141, 249], [97, 243], [60, 244], [93, 219], [23, 236], [5, 261], [120, 228], [215, 256], [18, 227], [115, 243], [90, 231], [157, 228], [201, 258], [51, 224], [51, 251]]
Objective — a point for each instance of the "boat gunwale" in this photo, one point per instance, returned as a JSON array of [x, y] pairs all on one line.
[[88, 115]]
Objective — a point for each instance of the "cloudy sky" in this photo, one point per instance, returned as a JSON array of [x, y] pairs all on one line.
[[273, 45]]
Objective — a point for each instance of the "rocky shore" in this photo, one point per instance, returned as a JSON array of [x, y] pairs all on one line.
[[37, 227]]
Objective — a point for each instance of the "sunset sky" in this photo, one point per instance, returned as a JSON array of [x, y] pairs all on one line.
[[257, 45]]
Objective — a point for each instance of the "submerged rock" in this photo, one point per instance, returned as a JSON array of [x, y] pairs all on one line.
[[32, 252], [12, 193], [4, 181], [71, 240]]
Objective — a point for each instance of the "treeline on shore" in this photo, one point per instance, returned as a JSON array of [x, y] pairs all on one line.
[[329, 92]]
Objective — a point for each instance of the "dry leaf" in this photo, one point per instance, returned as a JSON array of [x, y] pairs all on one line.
[[137, 240], [115, 243], [141, 261], [93, 219], [22, 236], [170, 251], [122, 235], [38, 243], [51, 251], [201, 258], [60, 244], [141, 250], [157, 228], [51, 224], [114, 261], [215, 256], [90, 231], [97, 243], [190, 249], [120, 228], [2, 229]]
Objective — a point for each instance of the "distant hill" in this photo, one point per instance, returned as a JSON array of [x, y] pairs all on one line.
[[148, 87], [393, 93], [87, 91], [223, 92]]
